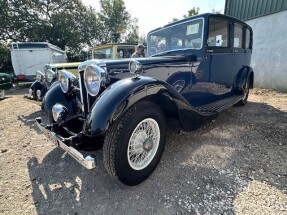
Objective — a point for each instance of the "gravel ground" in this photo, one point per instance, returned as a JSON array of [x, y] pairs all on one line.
[[236, 164]]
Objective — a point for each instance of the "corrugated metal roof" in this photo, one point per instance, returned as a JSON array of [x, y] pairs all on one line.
[[248, 9]]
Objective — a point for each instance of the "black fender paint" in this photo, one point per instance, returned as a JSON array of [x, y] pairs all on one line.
[[56, 95], [37, 85], [118, 97], [241, 77]]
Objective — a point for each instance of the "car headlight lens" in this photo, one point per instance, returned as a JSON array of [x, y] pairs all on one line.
[[50, 75], [135, 67], [93, 77], [66, 78], [39, 75]]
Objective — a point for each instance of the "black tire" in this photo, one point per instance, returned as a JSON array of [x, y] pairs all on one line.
[[243, 101], [2, 94], [117, 141]]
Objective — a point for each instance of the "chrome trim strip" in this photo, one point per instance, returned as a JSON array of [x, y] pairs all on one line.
[[88, 161], [81, 93]]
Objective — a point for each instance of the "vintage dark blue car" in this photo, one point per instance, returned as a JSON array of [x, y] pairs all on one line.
[[45, 80], [196, 68]]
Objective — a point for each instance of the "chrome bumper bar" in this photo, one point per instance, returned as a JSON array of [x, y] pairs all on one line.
[[88, 161]]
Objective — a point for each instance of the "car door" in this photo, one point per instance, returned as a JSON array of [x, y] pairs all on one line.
[[241, 54], [218, 55]]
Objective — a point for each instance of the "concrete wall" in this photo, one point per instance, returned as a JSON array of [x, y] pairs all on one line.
[[269, 57]]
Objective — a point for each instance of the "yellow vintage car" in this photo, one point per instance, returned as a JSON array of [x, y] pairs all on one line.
[[113, 51]]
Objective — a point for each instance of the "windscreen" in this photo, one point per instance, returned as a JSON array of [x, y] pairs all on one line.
[[185, 35]]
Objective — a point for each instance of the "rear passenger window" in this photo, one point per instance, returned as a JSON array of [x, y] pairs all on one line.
[[218, 33], [247, 39], [238, 36]]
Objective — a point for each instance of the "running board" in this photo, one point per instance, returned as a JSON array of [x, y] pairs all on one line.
[[220, 105]]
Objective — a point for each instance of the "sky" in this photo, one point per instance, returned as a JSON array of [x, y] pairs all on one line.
[[152, 14]]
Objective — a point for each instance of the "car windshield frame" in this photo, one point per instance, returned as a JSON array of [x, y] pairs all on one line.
[[170, 49]]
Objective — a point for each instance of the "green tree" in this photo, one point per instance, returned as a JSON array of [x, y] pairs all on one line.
[[132, 32], [5, 58], [216, 11], [192, 12], [114, 20], [63, 23]]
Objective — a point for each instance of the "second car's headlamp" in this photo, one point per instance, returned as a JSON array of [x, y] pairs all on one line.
[[66, 79], [39, 76], [93, 77], [49, 75]]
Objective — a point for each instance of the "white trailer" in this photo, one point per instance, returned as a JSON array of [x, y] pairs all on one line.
[[28, 57]]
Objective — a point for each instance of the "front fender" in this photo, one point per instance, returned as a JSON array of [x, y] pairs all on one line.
[[38, 85], [118, 97], [56, 95]]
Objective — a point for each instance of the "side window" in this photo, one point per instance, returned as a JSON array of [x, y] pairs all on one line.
[[218, 33], [238, 36], [247, 39]]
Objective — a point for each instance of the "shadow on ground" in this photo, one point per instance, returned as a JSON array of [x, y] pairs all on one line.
[[200, 172]]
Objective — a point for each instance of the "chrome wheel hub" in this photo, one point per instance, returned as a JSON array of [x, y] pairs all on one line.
[[30, 92], [2, 94], [38, 92], [143, 144]]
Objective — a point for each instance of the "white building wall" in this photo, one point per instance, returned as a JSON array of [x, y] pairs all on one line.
[[269, 57]]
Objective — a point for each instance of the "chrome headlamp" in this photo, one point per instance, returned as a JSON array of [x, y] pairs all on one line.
[[49, 75], [39, 75], [94, 76], [66, 79], [59, 112], [135, 67]]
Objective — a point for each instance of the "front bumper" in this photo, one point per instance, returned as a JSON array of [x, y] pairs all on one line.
[[87, 161]]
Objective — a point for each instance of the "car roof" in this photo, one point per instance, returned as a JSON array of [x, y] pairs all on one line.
[[204, 15]]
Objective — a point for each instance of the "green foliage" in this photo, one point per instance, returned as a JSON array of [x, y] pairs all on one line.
[[114, 20], [5, 58], [216, 11], [67, 24], [192, 12]]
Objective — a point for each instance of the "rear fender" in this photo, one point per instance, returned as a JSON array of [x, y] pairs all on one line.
[[244, 74]]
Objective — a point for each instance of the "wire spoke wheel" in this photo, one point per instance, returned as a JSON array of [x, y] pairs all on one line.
[[134, 144], [143, 144], [38, 95]]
